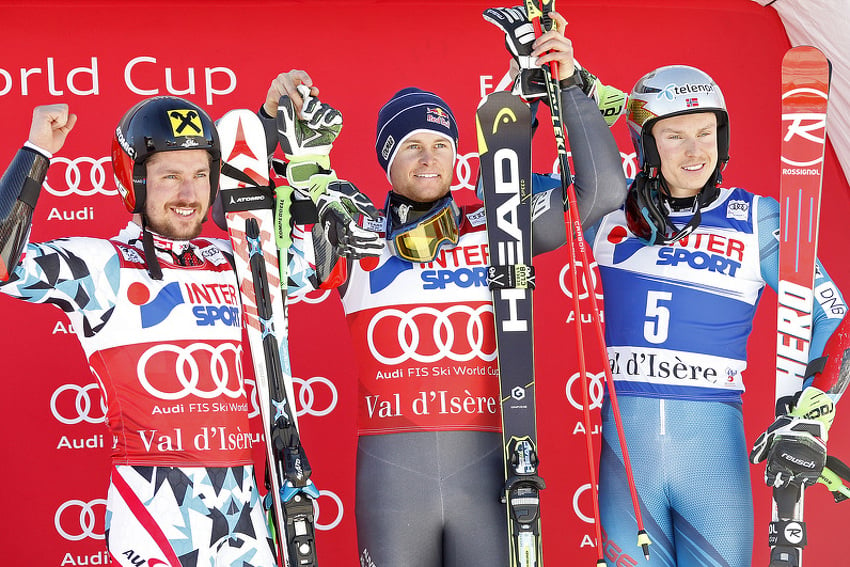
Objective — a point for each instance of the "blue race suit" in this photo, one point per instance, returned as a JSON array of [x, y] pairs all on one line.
[[677, 321]]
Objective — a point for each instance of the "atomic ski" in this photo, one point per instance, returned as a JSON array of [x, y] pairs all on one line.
[[503, 123], [805, 92], [248, 200]]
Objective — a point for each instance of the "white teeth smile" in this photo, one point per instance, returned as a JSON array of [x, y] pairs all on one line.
[[183, 212], [693, 167]]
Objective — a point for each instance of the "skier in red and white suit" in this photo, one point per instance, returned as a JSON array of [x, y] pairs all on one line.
[[429, 461], [156, 309]]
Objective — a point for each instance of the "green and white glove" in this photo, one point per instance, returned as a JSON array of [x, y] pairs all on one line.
[[610, 100], [306, 140], [794, 446]]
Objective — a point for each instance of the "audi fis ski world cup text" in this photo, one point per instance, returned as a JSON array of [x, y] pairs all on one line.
[[85, 80]]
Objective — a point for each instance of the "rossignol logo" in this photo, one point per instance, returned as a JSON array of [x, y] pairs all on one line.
[[671, 91], [805, 132], [185, 122]]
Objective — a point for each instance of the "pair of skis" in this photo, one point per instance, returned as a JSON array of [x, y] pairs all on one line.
[[248, 200]]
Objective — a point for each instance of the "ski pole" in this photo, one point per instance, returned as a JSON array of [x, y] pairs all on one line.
[[576, 236], [833, 476]]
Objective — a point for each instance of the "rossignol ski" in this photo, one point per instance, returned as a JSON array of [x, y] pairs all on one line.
[[503, 123], [248, 201], [805, 92]]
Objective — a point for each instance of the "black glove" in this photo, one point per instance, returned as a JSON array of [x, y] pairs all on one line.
[[794, 446]]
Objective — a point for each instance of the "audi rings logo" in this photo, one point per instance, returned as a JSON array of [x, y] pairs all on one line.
[[340, 510], [465, 172], [425, 334], [76, 520], [312, 403], [72, 404], [170, 362], [311, 298], [566, 282], [76, 171], [595, 390], [576, 497]]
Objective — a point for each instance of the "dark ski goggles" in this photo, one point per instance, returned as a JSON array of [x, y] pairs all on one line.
[[647, 217]]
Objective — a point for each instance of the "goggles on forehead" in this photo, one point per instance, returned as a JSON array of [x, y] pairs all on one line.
[[420, 240]]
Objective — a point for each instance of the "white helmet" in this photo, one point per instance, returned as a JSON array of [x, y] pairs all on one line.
[[671, 91]]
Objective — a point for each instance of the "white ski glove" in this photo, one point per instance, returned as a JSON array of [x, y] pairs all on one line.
[[794, 446]]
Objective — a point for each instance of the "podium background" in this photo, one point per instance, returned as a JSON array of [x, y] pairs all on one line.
[[102, 57]]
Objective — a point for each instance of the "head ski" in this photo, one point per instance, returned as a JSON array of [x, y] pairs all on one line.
[[503, 123]]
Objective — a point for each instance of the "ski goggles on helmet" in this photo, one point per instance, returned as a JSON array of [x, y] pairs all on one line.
[[420, 240]]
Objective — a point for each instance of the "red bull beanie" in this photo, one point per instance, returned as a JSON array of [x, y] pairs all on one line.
[[412, 110]]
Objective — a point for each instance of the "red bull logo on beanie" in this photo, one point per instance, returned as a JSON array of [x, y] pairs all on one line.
[[438, 116]]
